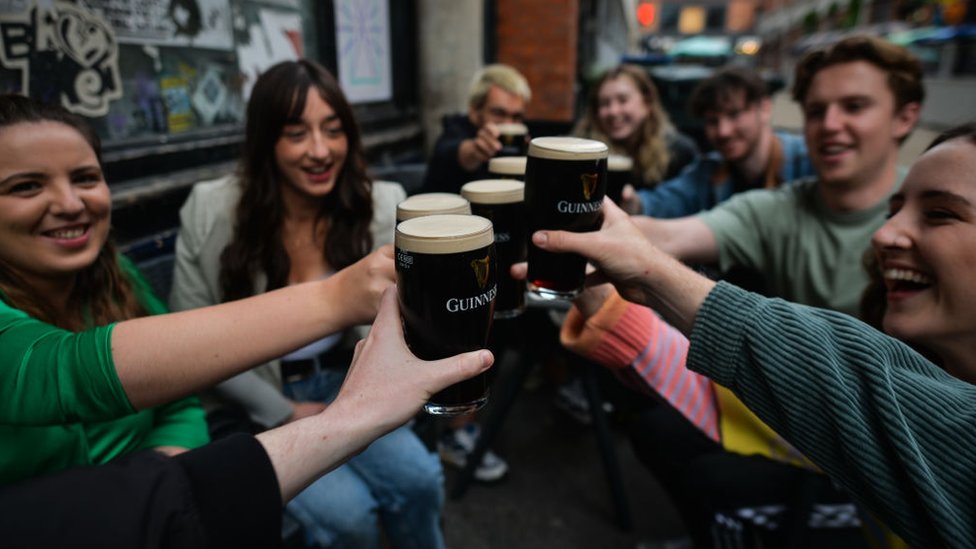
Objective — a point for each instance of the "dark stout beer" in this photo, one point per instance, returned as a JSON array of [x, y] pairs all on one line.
[[420, 205], [565, 180], [447, 283], [501, 202], [514, 139], [619, 171], [507, 167]]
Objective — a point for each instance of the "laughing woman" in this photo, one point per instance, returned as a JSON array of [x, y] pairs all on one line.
[[892, 423], [302, 208]]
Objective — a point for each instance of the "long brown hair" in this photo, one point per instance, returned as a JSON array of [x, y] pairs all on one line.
[[101, 294], [278, 98], [650, 149]]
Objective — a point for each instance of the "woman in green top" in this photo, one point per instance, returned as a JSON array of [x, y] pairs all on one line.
[[77, 349], [57, 266]]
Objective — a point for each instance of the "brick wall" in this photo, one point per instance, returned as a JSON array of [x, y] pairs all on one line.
[[540, 40]]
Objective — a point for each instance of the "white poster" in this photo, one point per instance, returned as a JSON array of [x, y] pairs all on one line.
[[363, 49], [278, 37], [196, 23]]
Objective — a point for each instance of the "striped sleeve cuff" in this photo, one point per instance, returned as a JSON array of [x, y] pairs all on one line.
[[613, 337]]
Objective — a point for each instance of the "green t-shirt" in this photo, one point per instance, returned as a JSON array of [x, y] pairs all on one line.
[[808, 253], [61, 402]]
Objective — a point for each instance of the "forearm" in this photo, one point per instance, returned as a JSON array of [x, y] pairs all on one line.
[[672, 289], [306, 449], [163, 357], [890, 426]]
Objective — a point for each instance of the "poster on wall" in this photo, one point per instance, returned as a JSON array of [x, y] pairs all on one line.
[[274, 37], [196, 23], [363, 49], [63, 54]]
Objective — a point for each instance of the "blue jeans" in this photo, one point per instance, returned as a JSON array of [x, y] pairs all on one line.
[[395, 480]]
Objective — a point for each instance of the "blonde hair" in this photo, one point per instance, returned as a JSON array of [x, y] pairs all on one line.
[[503, 76], [650, 149]]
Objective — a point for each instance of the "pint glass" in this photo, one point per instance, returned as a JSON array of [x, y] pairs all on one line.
[[420, 205], [447, 283], [507, 167], [619, 171], [565, 180], [501, 202], [513, 138]]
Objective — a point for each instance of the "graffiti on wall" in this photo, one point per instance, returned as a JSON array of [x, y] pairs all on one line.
[[64, 54]]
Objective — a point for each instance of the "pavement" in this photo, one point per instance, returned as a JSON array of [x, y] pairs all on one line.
[[555, 494]]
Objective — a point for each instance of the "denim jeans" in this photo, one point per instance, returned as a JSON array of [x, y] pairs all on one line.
[[395, 481]]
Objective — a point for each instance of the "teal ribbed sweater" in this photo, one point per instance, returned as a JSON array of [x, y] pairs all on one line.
[[889, 425]]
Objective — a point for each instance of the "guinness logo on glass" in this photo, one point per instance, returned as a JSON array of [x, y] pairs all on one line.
[[589, 181], [480, 268]]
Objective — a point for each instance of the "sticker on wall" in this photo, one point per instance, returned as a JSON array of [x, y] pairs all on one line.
[[176, 97], [64, 54], [209, 96], [363, 49]]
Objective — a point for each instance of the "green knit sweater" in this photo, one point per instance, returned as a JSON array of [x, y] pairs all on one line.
[[892, 427]]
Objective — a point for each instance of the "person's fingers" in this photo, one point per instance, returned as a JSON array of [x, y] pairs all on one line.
[[595, 278], [519, 271], [562, 241], [460, 367], [387, 323]]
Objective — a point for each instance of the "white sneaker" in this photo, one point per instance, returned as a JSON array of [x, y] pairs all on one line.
[[455, 446]]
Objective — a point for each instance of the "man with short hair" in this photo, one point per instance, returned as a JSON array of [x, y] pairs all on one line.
[[499, 94], [861, 99], [735, 106]]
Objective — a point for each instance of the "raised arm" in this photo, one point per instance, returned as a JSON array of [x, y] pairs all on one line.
[[686, 238], [163, 357]]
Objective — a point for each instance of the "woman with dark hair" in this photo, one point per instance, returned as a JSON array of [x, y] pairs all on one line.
[[624, 111], [302, 208]]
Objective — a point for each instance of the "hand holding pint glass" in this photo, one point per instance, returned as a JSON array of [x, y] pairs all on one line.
[[565, 181], [447, 284], [514, 138]]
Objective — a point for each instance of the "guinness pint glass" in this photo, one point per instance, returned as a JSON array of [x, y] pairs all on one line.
[[507, 167], [513, 137], [447, 283], [420, 205], [565, 180], [500, 201], [619, 171]]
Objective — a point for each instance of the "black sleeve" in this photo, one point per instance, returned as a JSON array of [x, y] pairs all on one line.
[[222, 495], [444, 172]]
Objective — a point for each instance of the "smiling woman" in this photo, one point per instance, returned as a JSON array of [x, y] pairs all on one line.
[[58, 266], [301, 208]]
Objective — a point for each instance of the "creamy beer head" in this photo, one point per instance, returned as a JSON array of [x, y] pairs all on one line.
[[420, 205], [567, 148], [512, 128], [619, 163], [508, 166], [444, 234], [494, 191]]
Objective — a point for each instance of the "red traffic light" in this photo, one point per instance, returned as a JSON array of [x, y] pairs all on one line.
[[646, 13]]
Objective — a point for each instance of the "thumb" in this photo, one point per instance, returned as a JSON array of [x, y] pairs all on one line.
[[561, 241], [460, 367]]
